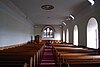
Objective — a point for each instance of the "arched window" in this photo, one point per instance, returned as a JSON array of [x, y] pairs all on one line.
[[63, 35], [75, 35], [48, 32], [67, 36], [92, 33]]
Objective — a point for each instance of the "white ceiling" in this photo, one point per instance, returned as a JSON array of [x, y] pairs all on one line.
[[62, 9]]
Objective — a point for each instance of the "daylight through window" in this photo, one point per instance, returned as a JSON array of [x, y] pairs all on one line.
[[48, 32]]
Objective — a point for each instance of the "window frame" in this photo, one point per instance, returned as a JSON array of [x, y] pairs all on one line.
[[48, 34]]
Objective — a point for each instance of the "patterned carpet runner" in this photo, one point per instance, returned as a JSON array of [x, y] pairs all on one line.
[[48, 57]]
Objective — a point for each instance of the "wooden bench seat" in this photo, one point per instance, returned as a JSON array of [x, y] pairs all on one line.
[[72, 56], [74, 50], [63, 45], [29, 53], [86, 61], [12, 63]]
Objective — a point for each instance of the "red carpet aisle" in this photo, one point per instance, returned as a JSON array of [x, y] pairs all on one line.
[[48, 58]]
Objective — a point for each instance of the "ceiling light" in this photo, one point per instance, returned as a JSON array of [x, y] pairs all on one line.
[[68, 18], [60, 26], [47, 7], [72, 17], [64, 23], [35, 26], [92, 2]]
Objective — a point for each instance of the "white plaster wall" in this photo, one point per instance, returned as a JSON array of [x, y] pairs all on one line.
[[81, 20], [14, 28]]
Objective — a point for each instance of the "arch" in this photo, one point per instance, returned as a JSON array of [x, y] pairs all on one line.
[[63, 35], [92, 33], [67, 36], [75, 35], [48, 32]]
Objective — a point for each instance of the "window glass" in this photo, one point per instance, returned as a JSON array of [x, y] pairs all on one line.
[[48, 32]]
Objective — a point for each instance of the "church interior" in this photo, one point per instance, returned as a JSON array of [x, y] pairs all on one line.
[[49, 33]]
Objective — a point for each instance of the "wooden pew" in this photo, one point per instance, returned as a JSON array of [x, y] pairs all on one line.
[[28, 53], [82, 61], [64, 51], [63, 45], [12, 63]]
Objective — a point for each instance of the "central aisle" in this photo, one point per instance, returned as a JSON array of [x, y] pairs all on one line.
[[48, 57]]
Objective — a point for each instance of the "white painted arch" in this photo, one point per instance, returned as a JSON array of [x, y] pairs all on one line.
[[63, 35], [75, 35], [67, 36], [92, 33]]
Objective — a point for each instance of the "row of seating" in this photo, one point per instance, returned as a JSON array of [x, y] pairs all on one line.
[[69, 55], [26, 55]]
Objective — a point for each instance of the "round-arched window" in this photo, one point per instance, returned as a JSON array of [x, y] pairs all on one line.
[[67, 36], [92, 33], [75, 35], [48, 32]]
